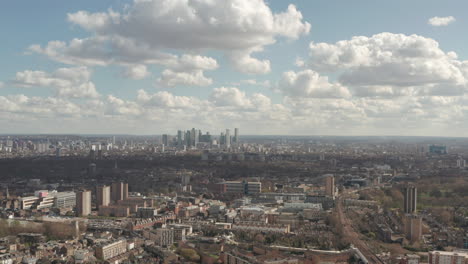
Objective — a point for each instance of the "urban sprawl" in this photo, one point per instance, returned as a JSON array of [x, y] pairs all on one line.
[[193, 197]]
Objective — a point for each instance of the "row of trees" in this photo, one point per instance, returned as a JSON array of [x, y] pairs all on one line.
[[49, 229]]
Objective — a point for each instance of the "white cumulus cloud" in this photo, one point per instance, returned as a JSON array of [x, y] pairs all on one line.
[[309, 83], [34, 107], [234, 98], [139, 34], [390, 63], [255, 82], [165, 99], [441, 21], [188, 70], [66, 82], [171, 78], [232, 107], [136, 72]]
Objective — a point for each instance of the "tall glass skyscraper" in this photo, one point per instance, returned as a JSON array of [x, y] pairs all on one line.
[[228, 138]]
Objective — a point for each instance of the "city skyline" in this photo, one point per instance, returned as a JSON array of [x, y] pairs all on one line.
[[278, 68]]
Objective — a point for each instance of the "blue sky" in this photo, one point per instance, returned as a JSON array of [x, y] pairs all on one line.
[[222, 89]]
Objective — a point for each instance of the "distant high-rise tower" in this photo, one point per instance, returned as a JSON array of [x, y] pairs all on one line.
[[228, 138], [83, 203], [412, 225], [193, 134], [197, 137], [236, 135], [103, 195], [222, 139], [188, 138], [330, 186], [411, 195], [165, 139], [119, 191], [179, 138]]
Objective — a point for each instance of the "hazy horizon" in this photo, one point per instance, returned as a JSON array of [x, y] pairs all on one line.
[[241, 136]]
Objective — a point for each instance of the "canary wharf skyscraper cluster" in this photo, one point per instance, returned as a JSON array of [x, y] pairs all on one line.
[[192, 138]]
